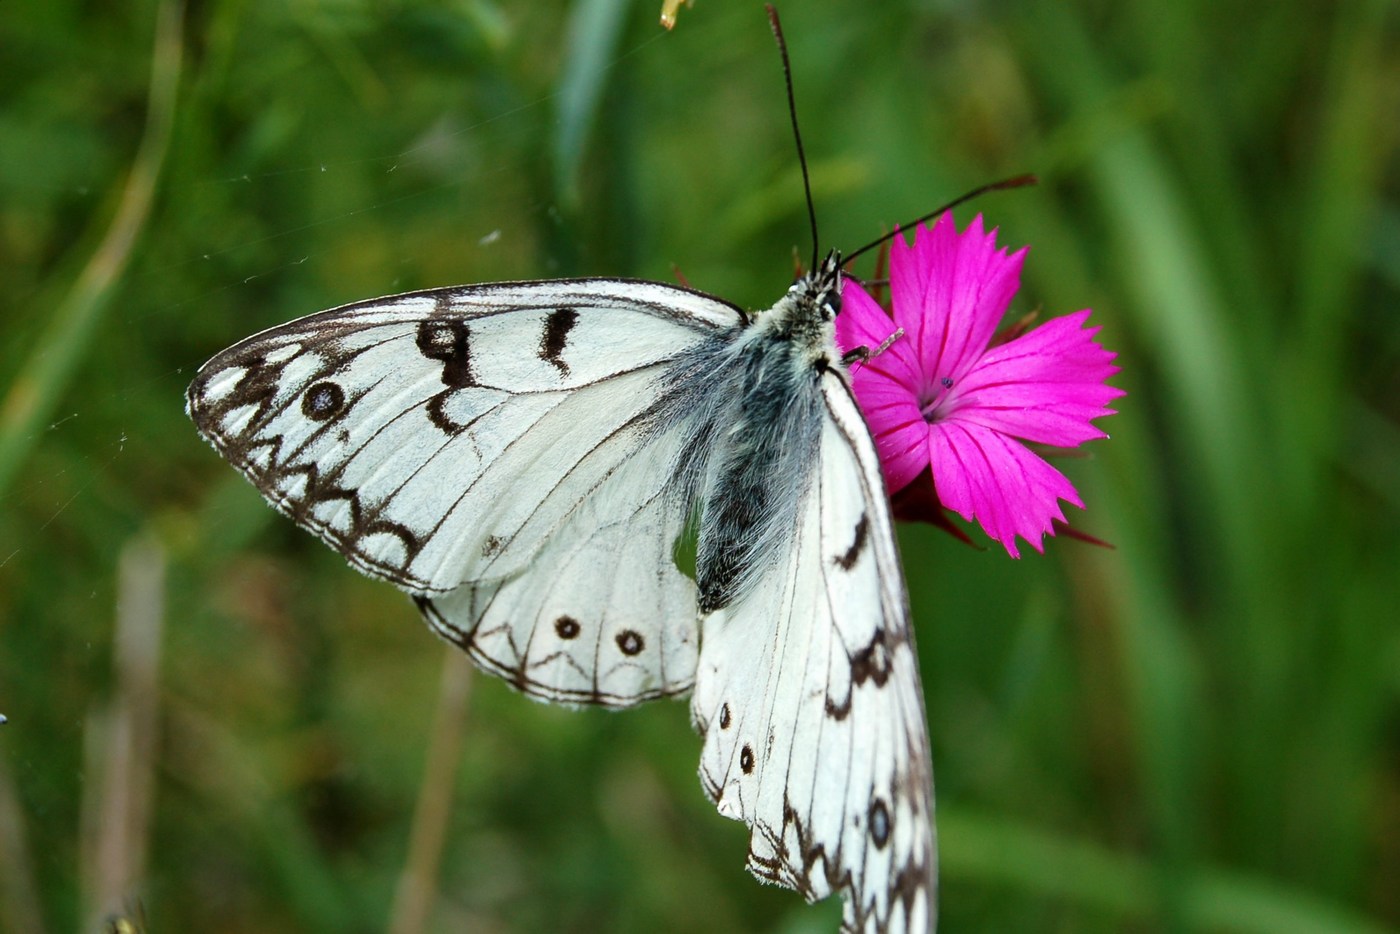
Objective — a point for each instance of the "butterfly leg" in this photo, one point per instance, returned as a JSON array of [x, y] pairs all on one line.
[[862, 353]]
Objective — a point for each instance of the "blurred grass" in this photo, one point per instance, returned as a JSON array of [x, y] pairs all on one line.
[[49, 367], [1199, 730]]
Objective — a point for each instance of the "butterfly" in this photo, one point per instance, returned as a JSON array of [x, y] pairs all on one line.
[[523, 459]]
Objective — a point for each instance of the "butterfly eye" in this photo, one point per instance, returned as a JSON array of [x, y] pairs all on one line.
[[833, 305]]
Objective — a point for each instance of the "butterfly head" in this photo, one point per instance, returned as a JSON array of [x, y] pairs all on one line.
[[818, 293], [811, 303], [805, 317]]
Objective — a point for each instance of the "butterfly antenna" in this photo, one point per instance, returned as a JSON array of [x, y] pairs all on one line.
[[796, 133], [1019, 181]]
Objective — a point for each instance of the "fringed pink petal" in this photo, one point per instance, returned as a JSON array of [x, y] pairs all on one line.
[[863, 323], [996, 481], [1045, 386], [950, 290], [903, 449]]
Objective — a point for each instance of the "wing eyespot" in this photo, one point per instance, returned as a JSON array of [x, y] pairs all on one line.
[[746, 759], [630, 642], [724, 717], [566, 627], [323, 401], [880, 825]]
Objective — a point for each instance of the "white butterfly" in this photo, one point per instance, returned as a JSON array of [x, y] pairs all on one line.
[[523, 458]]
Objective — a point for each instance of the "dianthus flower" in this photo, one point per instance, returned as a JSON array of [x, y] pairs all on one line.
[[943, 395]]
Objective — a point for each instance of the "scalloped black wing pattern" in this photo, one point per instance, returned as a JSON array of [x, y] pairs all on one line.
[[809, 699], [497, 452]]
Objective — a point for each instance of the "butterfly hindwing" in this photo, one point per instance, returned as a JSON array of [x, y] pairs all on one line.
[[495, 450], [808, 696], [606, 619]]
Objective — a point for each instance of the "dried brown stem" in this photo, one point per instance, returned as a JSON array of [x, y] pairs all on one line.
[[417, 887], [115, 862]]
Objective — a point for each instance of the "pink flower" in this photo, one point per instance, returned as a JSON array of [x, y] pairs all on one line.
[[939, 396]]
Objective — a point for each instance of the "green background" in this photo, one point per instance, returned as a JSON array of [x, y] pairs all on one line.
[[1198, 730]]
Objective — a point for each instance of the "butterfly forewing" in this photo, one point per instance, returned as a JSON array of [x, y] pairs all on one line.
[[499, 452], [394, 429], [808, 696]]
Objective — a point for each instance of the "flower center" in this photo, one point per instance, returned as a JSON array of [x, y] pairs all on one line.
[[936, 401]]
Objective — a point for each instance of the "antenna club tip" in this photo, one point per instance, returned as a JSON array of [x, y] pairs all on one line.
[[773, 22]]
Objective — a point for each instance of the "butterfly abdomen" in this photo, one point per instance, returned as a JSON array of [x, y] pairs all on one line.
[[769, 447]]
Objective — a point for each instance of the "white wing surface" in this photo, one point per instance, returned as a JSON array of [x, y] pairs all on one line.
[[495, 451], [808, 696]]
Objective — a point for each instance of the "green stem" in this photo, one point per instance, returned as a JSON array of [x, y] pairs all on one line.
[[35, 392]]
